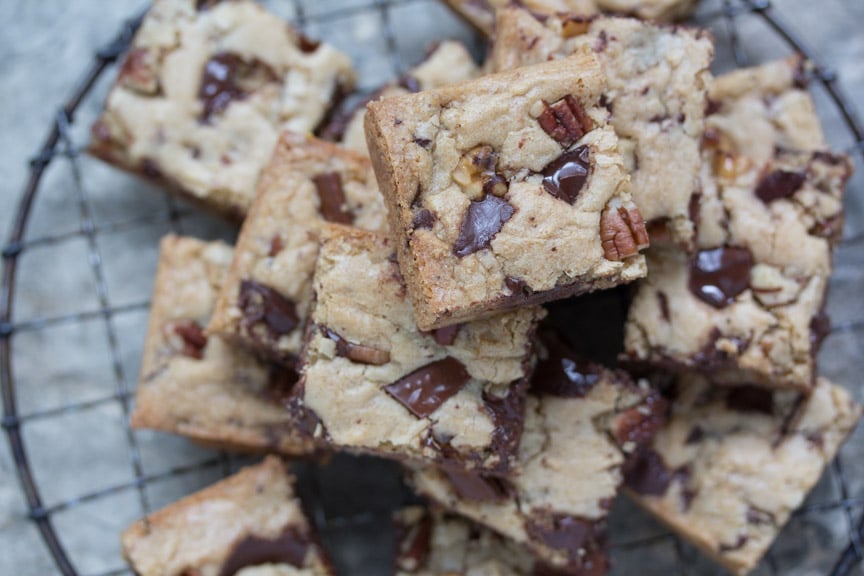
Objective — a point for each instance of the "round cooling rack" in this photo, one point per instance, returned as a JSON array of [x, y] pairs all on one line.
[[85, 475]]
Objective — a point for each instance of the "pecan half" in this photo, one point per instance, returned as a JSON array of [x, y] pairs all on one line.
[[565, 120], [622, 232]]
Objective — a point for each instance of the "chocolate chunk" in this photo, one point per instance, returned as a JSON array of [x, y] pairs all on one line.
[[201, 5], [424, 143], [697, 434], [646, 473], [423, 219], [228, 77], [518, 286], [750, 399], [282, 384], [739, 543], [276, 246], [424, 390], [663, 301], [564, 177], [150, 169], [582, 539], [561, 373], [779, 184], [412, 544], [719, 275], [444, 336], [332, 197], [192, 335], [307, 45], [356, 352], [483, 220], [820, 327], [262, 304], [639, 424], [473, 486], [711, 357], [565, 120], [507, 415], [288, 548]]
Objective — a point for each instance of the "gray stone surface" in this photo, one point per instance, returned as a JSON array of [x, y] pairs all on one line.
[[44, 47]]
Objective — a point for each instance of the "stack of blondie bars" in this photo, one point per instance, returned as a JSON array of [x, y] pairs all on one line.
[[389, 292]]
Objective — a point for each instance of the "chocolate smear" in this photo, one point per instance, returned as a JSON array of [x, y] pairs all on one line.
[[565, 176], [424, 390], [719, 275], [483, 220]]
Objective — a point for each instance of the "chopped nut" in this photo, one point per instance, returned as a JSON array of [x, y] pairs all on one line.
[[622, 232], [475, 174], [186, 337], [575, 25], [729, 166], [565, 120]]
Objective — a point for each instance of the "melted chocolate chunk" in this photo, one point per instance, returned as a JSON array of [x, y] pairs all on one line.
[[719, 275], [478, 487], [444, 336], [224, 78], [564, 177], [582, 539], [424, 390], [750, 399], [262, 304], [289, 548], [412, 543], [779, 184], [646, 473], [332, 197], [192, 335], [640, 423], [507, 417], [562, 373], [423, 219], [282, 384], [517, 286], [356, 352], [565, 121], [483, 220]]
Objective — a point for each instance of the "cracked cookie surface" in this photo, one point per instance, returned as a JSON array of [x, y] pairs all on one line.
[[658, 77], [265, 300], [197, 385], [732, 464], [505, 190], [581, 423], [378, 384], [249, 523], [204, 93]]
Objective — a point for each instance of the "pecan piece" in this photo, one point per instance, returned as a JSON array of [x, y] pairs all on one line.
[[565, 120], [622, 232], [187, 337], [476, 174]]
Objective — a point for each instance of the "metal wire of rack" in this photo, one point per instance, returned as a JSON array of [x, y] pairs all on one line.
[[59, 146]]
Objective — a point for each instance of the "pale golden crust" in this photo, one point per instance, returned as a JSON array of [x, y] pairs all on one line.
[[422, 147], [211, 142], [198, 534], [197, 386]]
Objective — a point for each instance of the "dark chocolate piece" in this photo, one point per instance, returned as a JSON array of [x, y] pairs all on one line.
[[646, 473], [445, 336], [423, 219], [228, 77], [332, 197], [779, 184], [507, 416], [473, 486], [583, 540], [289, 548], [565, 121], [483, 220], [565, 176], [356, 352], [561, 373], [719, 275], [425, 389], [697, 434], [640, 423], [261, 303], [412, 543], [820, 327], [517, 286], [750, 399], [756, 515]]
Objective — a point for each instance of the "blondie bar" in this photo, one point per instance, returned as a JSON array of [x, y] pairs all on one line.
[[198, 386], [378, 384], [204, 93], [265, 300], [249, 523], [506, 190], [733, 463]]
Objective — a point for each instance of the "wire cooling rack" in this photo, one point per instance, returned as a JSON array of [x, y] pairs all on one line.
[[351, 499]]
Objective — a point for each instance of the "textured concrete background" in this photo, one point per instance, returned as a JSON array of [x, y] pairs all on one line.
[[44, 47]]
